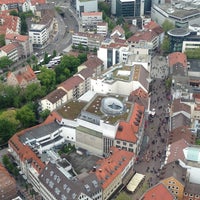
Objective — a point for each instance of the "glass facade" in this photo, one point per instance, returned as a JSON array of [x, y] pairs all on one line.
[[128, 8]]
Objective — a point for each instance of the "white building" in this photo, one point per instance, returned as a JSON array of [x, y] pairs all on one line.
[[113, 53], [38, 35], [91, 18], [102, 28], [122, 80], [87, 40], [86, 6]]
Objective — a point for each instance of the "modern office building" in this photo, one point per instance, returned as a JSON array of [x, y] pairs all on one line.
[[38, 35], [86, 6], [180, 14], [126, 8]]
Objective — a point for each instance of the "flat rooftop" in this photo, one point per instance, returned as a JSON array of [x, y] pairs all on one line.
[[184, 12], [82, 163], [71, 110]]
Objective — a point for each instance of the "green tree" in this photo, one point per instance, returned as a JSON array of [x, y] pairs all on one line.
[[7, 129], [168, 83], [14, 13], [44, 114], [167, 25], [54, 53], [10, 115], [33, 92], [46, 58], [82, 57], [105, 7], [5, 62], [26, 116], [193, 53], [120, 20], [47, 79], [165, 46], [24, 27], [2, 40]]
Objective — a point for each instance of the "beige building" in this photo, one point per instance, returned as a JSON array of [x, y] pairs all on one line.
[[22, 77]]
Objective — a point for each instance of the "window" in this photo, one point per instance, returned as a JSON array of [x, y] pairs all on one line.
[[177, 188], [191, 195], [124, 143], [185, 194]]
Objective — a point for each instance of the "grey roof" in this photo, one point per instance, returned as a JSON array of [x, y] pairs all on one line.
[[192, 188], [180, 120], [173, 169], [41, 131], [67, 189]]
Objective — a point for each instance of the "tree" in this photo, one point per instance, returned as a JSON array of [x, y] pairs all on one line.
[[167, 25], [46, 58], [165, 46], [44, 114], [193, 53], [5, 62], [26, 116], [105, 7], [2, 40], [10, 115], [54, 53], [33, 92], [82, 57], [7, 129], [47, 79], [14, 13], [123, 196]]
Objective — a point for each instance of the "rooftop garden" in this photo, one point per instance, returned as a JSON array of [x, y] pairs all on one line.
[[71, 110]]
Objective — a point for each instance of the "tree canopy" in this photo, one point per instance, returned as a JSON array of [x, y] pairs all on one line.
[[5, 62], [165, 46], [2, 40], [167, 25]]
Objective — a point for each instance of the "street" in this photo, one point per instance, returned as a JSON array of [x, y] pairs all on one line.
[[152, 154]]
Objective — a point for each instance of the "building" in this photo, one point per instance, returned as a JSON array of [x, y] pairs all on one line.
[[112, 53], [22, 77], [92, 41], [181, 14], [191, 191], [180, 114], [118, 32], [158, 192], [126, 8], [117, 80], [23, 40], [8, 187], [91, 18], [152, 33], [38, 35], [9, 23], [182, 132], [102, 28], [114, 170], [176, 37], [174, 177], [86, 6], [57, 183], [10, 50]]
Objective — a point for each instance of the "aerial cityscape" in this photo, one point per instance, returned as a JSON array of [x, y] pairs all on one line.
[[99, 99]]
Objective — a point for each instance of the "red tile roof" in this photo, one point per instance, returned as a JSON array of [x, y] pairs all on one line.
[[9, 47], [107, 169], [175, 151], [93, 62], [8, 188], [12, 1], [26, 73], [177, 58], [158, 192], [127, 130], [16, 37], [181, 132], [142, 35], [24, 151], [178, 106], [119, 29], [71, 83], [91, 13]]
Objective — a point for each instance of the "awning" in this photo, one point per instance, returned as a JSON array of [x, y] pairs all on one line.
[[134, 182]]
